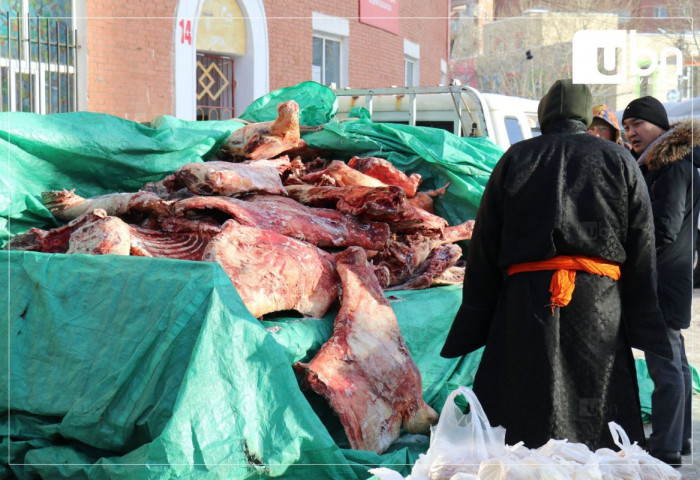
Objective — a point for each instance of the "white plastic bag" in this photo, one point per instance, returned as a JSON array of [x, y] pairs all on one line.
[[459, 443], [632, 461], [383, 473], [581, 462]]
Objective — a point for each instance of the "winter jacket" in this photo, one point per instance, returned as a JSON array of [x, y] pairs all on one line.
[[670, 170]]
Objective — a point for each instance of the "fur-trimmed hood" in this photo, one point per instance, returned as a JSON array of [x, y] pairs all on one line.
[[673, 145]]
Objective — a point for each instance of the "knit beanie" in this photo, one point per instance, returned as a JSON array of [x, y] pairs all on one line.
[[648, 109]]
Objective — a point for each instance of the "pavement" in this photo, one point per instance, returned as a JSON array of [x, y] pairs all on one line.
[[691, 463]]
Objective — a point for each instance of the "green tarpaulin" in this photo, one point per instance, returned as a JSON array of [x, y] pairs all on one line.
[[128, 367], [145, 368]]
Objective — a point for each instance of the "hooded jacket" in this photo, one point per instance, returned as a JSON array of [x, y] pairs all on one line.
[[670, 170], [564, 174], [565, 372]]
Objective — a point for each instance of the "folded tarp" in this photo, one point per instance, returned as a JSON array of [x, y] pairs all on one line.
[[136, 368]]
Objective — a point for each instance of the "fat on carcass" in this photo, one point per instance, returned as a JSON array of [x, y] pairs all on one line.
[[228, 179], [265, 140], [365, 370]]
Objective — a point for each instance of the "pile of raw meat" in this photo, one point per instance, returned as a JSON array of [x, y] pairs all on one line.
[[294, 232], [274, 216]]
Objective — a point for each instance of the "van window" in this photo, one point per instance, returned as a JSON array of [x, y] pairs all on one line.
[[534, 124], [515, 133]]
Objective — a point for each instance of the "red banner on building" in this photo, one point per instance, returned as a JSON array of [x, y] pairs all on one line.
[[382, 14]]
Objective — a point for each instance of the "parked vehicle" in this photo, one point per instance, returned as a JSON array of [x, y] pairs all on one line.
[[462, 110]]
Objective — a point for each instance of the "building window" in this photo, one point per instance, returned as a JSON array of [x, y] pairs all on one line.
[[411, 62], [325, 67], [329, 65], [38, 56], [409, 75], [659, 12]]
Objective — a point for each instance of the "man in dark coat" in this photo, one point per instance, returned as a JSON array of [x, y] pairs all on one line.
[[556, 207], [666, 157]]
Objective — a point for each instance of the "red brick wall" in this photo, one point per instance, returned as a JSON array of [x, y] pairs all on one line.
[[130, 60], [130, 50], [376, 56]]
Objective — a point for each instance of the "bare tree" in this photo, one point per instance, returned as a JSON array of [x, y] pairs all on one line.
[[529, 46]]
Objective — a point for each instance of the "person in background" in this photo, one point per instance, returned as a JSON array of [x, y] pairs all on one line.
[[559, 283], [668, 158], [605, 125]]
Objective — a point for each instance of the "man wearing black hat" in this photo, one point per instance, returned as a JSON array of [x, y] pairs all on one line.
[[560, 284], [665, 156]]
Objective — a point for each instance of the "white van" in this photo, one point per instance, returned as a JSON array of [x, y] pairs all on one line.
[[461, 110]]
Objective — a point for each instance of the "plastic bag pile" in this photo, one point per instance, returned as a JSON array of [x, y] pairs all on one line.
[[467, 447]]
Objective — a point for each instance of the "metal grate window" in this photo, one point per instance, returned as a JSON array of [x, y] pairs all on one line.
[[38, 60], [215, 87]]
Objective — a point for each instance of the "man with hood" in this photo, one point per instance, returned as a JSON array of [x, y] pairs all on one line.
[[559, 283], [668, 158]]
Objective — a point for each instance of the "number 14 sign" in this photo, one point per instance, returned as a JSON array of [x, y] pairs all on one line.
[[185, 31]]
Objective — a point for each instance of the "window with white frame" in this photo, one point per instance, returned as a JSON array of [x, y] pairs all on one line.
[[325, 67], [329, 64], [411, 54], [660, 12], [38, 56], [409, 72]]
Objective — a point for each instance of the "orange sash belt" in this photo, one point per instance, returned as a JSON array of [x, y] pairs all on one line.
[[564, 277]]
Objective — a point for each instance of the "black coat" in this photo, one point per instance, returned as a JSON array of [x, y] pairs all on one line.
[[561, 375], [670, 175]]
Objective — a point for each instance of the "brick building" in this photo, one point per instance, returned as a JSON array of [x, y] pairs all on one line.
[[209, 58]]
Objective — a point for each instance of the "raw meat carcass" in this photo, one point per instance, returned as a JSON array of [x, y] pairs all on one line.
[[412, 219], [365, 370], [424, 199], [226, 178], [55, 240], [439, 260], [340, 174], [273, 272], [355, 200], [452, 276], [106, 236], [404, 254], [457, 233], [112, 236], [66, 205], [319, 226], [387, 173], [264, 140]]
